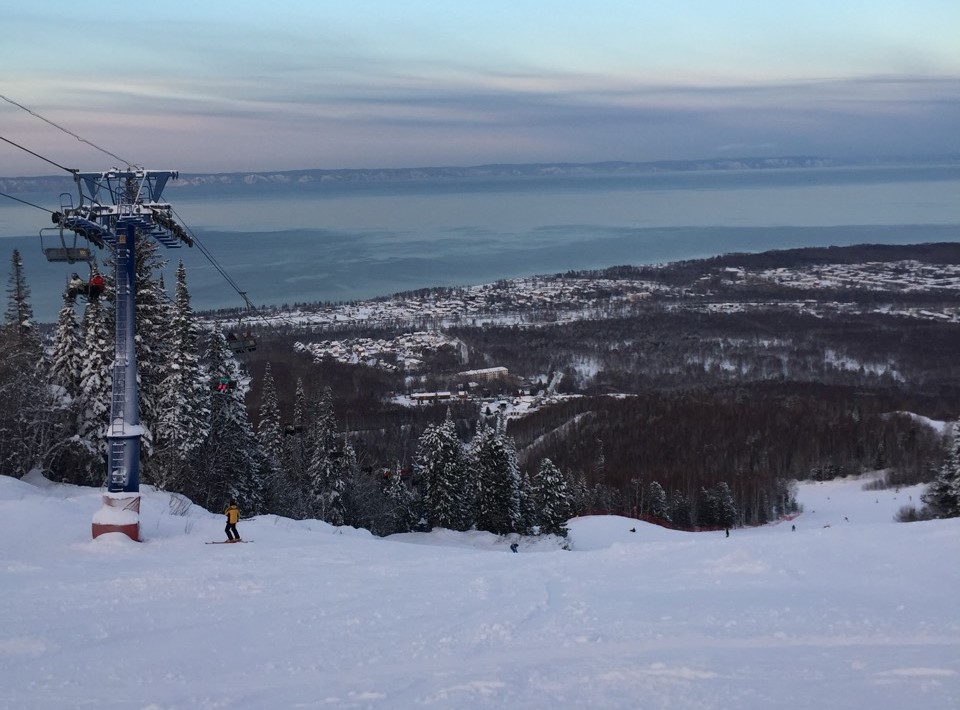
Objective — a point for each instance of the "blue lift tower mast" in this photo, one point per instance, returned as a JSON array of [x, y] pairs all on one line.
[[117, 209]]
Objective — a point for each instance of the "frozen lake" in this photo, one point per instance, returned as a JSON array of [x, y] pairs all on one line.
[[315, 242]]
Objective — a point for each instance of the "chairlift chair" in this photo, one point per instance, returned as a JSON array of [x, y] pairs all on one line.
[[57, 248], [242, 343]]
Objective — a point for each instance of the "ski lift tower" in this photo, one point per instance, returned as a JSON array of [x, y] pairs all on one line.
[[117, 209]]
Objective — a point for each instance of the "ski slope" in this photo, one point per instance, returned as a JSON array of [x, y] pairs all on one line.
[[851, 610]]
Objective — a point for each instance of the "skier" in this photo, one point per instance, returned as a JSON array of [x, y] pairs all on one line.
[[233, 515], [513, 547]]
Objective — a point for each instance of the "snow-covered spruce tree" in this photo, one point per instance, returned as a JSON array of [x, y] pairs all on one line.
[[727, 514], [96, 381], [942, 495], [153, 319], [29, 422], [270, 436], [401, 505], [529, 514], [229, 463], [66, 358], [579, 492], [291, 498], [708, 511], [656, 502], [553, 499], [68, 460], [19, 315], [441, 469], [325, 474], [183, 415], [680, 510], [496, 475], [364, 501]]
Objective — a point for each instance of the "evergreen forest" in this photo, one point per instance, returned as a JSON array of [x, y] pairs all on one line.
[[650, 430]]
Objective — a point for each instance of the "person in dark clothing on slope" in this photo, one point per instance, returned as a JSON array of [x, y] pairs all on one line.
[[233, 515]]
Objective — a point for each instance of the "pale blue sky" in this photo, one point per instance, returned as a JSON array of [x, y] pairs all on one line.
[[209, 86]]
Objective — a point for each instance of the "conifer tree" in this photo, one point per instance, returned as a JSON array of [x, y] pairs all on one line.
[[441, 468], [401, 515], [528, 509], [726, 507], [28, 422], [553, 499], [657, 502], [268, 430], [708, 513], [183, 416], [325, 474], [942, 495], [66, 360], [270, 436], [496, 473], [292, 493], [362, 499], [229, 464], [680, 509], [153, 319], [96, 381], [19, 313], [68, 460]]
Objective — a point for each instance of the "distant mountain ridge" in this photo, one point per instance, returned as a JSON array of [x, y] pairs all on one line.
[[491, 171]]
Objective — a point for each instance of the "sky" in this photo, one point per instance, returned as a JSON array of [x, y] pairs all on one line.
[[219, 86], [849, 610]]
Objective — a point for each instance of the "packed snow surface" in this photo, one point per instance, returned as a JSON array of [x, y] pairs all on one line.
[[850, 610]]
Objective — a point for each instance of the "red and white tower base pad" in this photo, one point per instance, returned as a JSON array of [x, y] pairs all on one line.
[[120, 512]]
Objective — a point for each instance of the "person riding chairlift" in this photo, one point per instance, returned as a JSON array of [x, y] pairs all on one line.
[[95, 287], [76, 286]]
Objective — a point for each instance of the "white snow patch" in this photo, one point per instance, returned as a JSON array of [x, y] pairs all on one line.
[[849, 610]]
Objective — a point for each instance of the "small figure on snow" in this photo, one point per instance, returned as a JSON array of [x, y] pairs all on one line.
[[633, 529], [793, 527], [727, 530], [513, 547], [233, 515]]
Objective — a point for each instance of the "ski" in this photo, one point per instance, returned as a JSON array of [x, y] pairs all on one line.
[[225, 542]]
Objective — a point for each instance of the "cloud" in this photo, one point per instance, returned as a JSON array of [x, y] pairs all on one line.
[[406, 118]]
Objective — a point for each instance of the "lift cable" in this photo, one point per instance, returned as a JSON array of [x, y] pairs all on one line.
[[213, 262], [229, 279], [30, 204], [72, 171], [203, 249], [67, 131]]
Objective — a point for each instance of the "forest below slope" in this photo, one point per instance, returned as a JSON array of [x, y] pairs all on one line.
[[719, 373]]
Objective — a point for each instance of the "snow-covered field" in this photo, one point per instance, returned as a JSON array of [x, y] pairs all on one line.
[[851, 610]]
